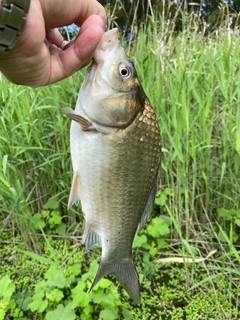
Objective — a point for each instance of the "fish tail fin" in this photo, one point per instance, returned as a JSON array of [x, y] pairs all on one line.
[[126, 274]]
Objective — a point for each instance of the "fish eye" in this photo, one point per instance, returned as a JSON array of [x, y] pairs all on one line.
[[125, 72]]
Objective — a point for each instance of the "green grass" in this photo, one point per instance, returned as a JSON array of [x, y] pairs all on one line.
[[193, 84], [194, 88], [35, 160]]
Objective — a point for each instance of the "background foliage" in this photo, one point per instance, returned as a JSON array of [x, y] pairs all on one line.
[[206, 15], [192, 82]]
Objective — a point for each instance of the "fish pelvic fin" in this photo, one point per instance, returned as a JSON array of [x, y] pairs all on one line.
[[90, 238], [84, 123], [74, 196], [126, 274]]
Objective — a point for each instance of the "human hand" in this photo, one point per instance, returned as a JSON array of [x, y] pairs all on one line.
[[41, 56]]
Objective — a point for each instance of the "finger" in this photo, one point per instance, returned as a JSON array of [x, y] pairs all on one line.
[[93, 7], [93, 19], [77, 55], [54, 37], [75, 11]]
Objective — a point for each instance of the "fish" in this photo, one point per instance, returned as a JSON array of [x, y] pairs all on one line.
[[115, 150]]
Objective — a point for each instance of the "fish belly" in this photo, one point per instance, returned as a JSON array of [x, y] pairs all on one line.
[[108, 189]]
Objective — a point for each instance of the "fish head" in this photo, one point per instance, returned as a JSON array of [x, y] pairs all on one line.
[[111, 94], [114, 66]]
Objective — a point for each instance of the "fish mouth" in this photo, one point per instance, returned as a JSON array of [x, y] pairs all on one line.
[[109, 42]]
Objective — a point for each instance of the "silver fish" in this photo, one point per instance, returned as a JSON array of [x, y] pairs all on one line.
[[115, 150]]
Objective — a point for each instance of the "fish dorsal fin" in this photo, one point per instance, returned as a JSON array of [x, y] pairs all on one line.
[[90, 238], [126, 274], [149, 206], [84, 123], [74, 196]]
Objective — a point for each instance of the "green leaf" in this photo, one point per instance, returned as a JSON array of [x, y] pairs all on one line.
[[38, 304], [223, 213], [61, 313], [97, 296], [161, 243], [139, 241], [38, 223], [7, 287], [55, 218], [54, 295], [45, 213], [237, 222], [153, 250], [108, 314], [79, 296], [23, 304], [55, 277], [74, 269], [126, 314], [108, 301], [104, 283], [70, 279], [161, 199], [17, 313], [101, 298], [158, 228], [52, 203], [161, 196], [61, 229], [3, 308], [86, 316], [91, 272]]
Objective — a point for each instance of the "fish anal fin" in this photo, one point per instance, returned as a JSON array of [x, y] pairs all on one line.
[[149, 206], [84, 123], [90, 238], [74, 196], [126, 274]]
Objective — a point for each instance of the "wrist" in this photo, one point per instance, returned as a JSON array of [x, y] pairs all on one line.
[[12, 22]]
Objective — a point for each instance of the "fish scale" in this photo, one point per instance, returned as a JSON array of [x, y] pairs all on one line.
[[115, 150]]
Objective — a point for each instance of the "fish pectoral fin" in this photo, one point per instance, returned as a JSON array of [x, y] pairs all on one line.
[[84, 123], [126, 274], [74, 196], [90, 238], [149, 206]]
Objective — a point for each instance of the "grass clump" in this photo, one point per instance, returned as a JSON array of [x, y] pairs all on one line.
[[196, 95]]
